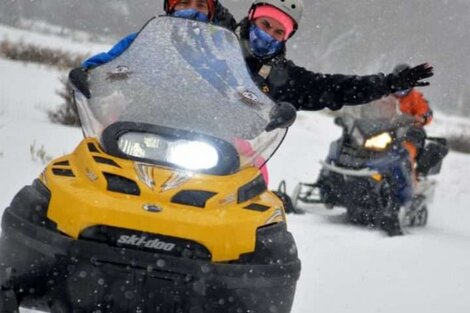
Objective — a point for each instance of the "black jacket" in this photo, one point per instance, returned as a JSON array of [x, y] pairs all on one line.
[[224, 18], [282, 80]]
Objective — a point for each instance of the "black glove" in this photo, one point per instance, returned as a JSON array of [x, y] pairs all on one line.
[[282, 115], [410, 77], [79, 78]]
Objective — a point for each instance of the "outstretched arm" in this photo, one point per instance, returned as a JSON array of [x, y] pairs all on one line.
[[105, 57], [222, 17], [307, 90]]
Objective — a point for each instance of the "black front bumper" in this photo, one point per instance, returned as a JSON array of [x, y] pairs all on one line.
[[351, 192], [46, 268]]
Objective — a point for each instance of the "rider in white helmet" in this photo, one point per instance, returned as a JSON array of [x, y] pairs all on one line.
[[264, 33], [272, 23]]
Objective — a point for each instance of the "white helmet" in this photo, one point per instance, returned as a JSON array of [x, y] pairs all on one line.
[[293, 8]]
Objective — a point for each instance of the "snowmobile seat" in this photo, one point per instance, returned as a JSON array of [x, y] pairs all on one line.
[[429, 160]]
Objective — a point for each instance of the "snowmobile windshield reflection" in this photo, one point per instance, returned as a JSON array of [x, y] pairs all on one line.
[[182, 87]]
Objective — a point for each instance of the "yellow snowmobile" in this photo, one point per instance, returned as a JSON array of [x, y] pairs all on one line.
[[162, 206]]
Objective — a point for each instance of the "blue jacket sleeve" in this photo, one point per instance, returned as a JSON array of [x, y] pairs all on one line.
[[105, 57]]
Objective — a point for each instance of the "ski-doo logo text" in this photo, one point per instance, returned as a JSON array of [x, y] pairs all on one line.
[[138, 241]]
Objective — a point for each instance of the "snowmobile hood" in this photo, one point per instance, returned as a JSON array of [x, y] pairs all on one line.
[[90, 189]]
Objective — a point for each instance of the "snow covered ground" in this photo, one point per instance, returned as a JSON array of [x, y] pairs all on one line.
[[349, 268], [345, 268]]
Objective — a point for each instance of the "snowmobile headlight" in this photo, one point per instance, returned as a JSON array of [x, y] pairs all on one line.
[[378, 142], [191, 155], [170, 147]]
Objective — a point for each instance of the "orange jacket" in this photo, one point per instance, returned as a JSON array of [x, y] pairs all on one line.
[[416, 105]]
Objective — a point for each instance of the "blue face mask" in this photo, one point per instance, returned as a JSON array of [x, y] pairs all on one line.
[[192, 14], [262, 44]]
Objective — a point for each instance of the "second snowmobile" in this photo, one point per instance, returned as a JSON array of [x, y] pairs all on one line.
[[368, 172]]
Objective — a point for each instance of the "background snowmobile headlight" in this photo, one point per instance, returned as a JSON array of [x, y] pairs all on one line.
[[378, 142], [192, 155]]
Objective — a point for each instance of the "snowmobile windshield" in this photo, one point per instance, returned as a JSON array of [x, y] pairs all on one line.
[[184, 77]]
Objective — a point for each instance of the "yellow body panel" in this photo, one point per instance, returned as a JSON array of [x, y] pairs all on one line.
[[223, 226]]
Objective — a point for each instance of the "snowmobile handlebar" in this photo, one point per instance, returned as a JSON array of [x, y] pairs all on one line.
[[282, 115]]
